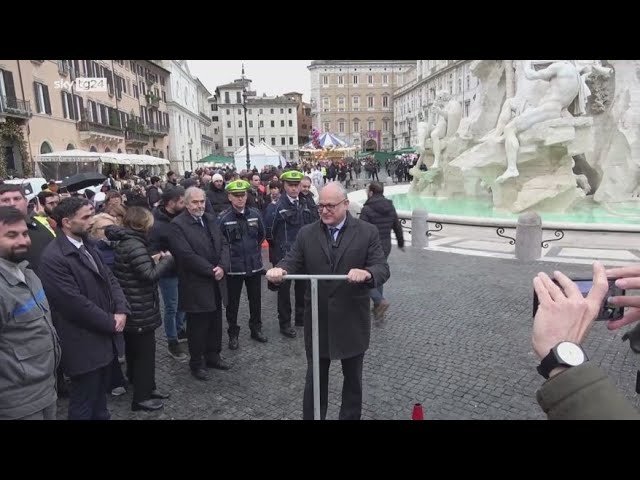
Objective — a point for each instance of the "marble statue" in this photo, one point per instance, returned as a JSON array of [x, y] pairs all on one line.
[[449, 113]]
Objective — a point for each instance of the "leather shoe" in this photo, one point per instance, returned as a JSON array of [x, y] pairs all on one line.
[[148, 405], [159, 395], [200, 374], [233, 343], [219, 365], [259, 336], [288, 332]]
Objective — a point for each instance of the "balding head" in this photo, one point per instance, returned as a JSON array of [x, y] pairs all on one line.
[[194, 200], [333, 204]]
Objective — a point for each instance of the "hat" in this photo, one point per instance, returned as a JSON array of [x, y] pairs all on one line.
[[292, 176], [216, 177], [238, 186]]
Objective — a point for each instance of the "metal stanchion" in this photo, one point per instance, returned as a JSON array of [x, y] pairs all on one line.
[[315, 341]]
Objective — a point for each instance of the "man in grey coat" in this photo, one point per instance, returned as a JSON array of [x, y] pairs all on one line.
[[29, 348], [337, 244]]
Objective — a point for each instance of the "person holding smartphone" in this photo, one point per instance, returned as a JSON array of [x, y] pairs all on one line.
[[577, 389]]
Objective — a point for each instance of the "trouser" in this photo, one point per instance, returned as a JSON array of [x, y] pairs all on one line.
[[377, 294], [173, 318], [88, 397], [47, 413], [140, 352], [351, 406], [284, 302], [117, 378], [204, 336], [254, 292]]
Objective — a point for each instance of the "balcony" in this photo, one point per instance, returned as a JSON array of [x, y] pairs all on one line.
[[99, 132], [206, 138], [136, 137], [153, 101], [15, 108], [157, 130]]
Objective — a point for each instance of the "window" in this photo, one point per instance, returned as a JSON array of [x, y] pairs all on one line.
[[290, 140], [290, 111], [341, 126], [238, 98], [283, 141], [226, 97], [261, 124], [241, 140], [326, 126], [385, 101], [250, 111], [67, 106], [282, 111], [468, 82], [216, 146], [356, 126], [250, 123], [239, 112], [272, 111], [341, 104], [273, 123], [466, 107], [43, 104], [340, 80], [251, 140], [262, 139], [230, 142], [356, 103], [273, 140], [325, 104], [355, 79], [291, 155], [282, 123], [214, 119], [228, 112], [215, 131], [239, 123], [385, 79], [370, 101], [370, 79], [260, 112], [459, 85], [371, 124], [385, 125], [291, 123], [325, 79], [228, 123]]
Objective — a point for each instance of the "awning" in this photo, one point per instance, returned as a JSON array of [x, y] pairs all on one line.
[[216, 159], [404, 150]]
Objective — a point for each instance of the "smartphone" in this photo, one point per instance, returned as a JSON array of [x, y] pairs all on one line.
[[607, 312]]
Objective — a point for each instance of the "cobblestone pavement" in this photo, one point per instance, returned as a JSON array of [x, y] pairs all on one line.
[[457, 340]]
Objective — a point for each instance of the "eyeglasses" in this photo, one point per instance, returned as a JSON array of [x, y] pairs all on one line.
[[329, 206]]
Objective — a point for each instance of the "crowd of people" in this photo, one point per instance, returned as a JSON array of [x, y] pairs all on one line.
[[81, 286]]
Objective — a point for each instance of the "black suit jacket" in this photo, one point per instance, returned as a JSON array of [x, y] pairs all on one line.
[[197, 251], [343, 308]]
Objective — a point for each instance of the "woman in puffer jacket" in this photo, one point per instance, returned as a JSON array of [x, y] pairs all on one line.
[[138, 273]]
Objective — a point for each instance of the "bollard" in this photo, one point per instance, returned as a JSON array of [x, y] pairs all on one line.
[[419, 229], [529, 237]]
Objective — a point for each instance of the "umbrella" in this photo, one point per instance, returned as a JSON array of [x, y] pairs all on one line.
[[82, 180]]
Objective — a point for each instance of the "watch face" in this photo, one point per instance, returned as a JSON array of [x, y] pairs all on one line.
[[570, 354]]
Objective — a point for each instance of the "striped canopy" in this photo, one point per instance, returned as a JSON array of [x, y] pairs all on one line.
[[327, 141]]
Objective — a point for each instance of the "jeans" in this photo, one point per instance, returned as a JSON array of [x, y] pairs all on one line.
[[376, 295], [173, 319]]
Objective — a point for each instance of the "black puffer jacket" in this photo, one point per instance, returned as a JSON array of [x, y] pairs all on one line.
[[380, 212], [138, 276], [219, 199]]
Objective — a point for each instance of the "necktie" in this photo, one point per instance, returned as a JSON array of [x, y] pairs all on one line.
[[201, 222], [295, 203], [84, 251], [332, 232]]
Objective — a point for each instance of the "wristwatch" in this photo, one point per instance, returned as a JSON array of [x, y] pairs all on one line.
[[564, 354]]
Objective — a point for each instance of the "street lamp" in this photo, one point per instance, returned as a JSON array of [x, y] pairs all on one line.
[[246, 127]]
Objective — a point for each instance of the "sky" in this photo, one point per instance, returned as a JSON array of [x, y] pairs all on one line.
[[273, 77]]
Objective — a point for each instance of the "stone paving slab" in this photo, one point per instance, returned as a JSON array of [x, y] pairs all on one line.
[[457, 340]]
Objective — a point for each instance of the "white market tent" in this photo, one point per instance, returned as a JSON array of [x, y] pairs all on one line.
[[259, 155], [61, 164]]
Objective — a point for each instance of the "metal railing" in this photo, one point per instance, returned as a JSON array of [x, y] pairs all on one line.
[[89, 126], [134, 136], [156, 128], [315, 339], [12, 105]]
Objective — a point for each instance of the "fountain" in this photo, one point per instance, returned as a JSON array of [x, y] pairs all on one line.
[[557, 137]]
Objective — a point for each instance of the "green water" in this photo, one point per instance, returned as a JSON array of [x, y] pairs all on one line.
[[587, 212]]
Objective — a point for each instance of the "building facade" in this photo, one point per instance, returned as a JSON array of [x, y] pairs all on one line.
[[43, 108], [216, 129], [353, 99], [304, 117], [273, 120], [185, 148], [206, 124], [415, 97]]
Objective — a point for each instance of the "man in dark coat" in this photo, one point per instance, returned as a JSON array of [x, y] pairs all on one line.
[[338, 244], [202, 257], [88, 309], [380, 212]]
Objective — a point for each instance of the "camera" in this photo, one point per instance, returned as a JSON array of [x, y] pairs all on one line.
[[607, 311]]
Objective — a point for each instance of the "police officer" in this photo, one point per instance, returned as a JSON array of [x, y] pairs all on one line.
[[244, 229], [284, 219]]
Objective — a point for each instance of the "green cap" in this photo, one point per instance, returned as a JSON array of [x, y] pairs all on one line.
[[237, 186], [293, 176]]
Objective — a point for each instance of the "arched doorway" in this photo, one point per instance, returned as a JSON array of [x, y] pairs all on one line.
[[137, 152], [147, 152], [70, 146], [45, 148], [107, 150], [160, 154], [93, 149], [119, 150], [370, 145]]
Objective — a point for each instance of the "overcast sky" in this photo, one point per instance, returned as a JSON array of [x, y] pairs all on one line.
[[273, 77]]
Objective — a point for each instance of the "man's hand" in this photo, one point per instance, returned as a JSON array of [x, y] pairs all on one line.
[[564, 314], [218, 273], [121, 320], [356, 275], [156, 257], [275, 275], [628, 278]]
